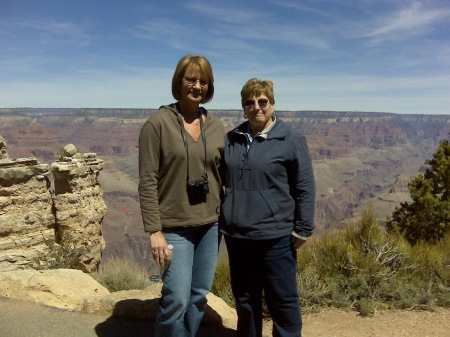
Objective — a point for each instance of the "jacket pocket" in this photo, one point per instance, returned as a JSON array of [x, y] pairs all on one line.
[[282, 206], [247, 209]]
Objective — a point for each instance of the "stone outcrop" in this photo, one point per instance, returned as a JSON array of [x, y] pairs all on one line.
[[3, 153], [26, 213], [33, 219], [73, 290], [60, 288], [79, 205]]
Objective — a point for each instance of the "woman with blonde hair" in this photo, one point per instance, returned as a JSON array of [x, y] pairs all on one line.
[[180, 151]]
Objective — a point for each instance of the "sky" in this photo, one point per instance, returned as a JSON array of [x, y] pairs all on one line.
[[339, 55]]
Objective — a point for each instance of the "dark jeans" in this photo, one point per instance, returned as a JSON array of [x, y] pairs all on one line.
[[269, 266]]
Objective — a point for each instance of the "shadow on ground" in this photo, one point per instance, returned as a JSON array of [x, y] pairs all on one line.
[[114, 327], [21, 318]]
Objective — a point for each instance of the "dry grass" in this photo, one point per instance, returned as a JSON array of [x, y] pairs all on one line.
[[122, 273]]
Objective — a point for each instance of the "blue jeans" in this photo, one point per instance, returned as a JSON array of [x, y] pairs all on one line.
[[187, 280], [268, 266]]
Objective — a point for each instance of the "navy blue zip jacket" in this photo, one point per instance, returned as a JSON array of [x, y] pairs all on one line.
[[269, 184]]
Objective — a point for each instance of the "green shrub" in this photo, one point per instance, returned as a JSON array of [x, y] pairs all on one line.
[[362, 267], [122, 273], [365, 307], [313, 292], [63, 255]]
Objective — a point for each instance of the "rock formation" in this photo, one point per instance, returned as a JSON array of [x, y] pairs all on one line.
[[26, 216], [78, 202], [3, 153], [73, 290], [60, 288], [32, 219]]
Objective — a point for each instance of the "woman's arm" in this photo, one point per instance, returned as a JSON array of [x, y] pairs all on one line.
[[304, 190], [149, 154]]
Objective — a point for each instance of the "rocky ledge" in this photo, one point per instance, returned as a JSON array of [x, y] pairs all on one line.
[[76, 291]]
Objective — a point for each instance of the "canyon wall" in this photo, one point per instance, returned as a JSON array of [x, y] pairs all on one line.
[[360, 159], [35, 216]]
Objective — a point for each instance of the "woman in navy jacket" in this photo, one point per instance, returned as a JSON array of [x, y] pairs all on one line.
[[267, 213]]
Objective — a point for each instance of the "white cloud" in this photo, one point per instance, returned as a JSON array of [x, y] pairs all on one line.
[[158, 28], [411, 21], [302, 7], [227, 14], [48, 31]]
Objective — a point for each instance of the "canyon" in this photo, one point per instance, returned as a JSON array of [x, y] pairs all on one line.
[[360, 159]]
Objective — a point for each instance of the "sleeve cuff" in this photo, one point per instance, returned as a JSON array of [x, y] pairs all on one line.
[[299, 236]]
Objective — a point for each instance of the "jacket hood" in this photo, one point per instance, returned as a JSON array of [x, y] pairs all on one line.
[[174, 108]]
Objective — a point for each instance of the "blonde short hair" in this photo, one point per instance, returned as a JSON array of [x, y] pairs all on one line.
[[257, 87], [197, 62]]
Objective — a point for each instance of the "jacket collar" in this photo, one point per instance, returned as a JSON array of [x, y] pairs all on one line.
[[276, 131]]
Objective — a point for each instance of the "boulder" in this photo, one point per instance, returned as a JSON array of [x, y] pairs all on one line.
[[67, 151], [138, 304], [61, 288], [219, 312]]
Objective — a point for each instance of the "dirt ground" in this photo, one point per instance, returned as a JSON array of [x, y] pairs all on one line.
[[387, 323], [25, 319]]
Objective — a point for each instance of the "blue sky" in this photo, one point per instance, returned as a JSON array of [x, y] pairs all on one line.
[[360, 55]]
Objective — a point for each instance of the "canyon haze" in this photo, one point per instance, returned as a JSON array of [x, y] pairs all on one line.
[[360, 159]]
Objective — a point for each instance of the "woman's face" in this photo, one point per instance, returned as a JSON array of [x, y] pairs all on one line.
[[194, 86], [259, 112]]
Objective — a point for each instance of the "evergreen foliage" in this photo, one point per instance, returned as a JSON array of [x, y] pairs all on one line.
[[428, 216]]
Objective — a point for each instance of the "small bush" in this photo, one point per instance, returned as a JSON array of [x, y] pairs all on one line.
[[313, 292], [122, 273], [365, 307], [63, 255]]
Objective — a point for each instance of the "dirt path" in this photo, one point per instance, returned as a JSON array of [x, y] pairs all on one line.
[[336, 323], [25, 319]]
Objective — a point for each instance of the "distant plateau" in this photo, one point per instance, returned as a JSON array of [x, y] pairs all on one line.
[[360, 158]]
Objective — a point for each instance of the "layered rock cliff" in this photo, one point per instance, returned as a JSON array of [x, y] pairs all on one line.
[[27, 221], [359, 158], [34, 216], [78, 204]]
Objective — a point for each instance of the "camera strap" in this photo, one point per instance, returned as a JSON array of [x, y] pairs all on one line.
[[186, 145]]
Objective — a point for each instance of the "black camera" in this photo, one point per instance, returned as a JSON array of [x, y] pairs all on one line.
[[198, 188]]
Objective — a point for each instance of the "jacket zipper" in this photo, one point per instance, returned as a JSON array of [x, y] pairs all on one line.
[[247, 150]]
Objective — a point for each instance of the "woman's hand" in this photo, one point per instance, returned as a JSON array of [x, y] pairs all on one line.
[[160, 250], [296, 242]]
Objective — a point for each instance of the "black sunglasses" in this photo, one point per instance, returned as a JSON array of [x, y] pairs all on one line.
[[261, 102]]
